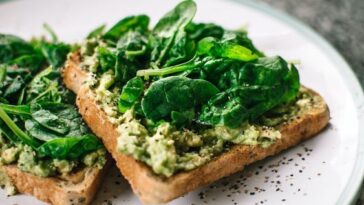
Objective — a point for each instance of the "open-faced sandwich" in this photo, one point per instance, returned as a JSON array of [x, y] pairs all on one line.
[[46, 150], [184, 104]]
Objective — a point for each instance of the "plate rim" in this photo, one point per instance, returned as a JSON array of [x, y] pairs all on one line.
[[351, 190]]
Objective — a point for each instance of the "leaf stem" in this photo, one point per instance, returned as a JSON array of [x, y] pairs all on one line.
[[16, 109], [189, 65], [17, 131]]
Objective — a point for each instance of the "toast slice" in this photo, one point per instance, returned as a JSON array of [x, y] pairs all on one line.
[[78, 188], [153, 189]]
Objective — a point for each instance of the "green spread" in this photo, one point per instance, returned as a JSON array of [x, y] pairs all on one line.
[[167, 149], [29, 161]]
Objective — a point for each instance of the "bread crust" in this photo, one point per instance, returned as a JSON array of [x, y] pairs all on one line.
[[77, 189], [153, 189]]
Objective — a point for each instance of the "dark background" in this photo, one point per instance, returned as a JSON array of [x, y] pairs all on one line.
[[341, 22]]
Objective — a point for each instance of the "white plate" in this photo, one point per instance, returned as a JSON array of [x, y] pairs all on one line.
[[325, 170]]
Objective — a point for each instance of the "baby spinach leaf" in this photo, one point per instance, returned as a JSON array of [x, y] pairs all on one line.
[[223, 109], [44, 87], [140, 22], [12, 47], [55, 53], [25, 138], [32, 61], [15, 87], [182, 118], [97, 32], [240, 38], [212, 47], [199, 31], [130, 94], [183, 49], [38, 131], [13, 82], [131, 55], [69, 147], [253, 90], [47, 121], [134, 43], [106, 58], [51, 121], [178, 94], [169, 35], [213, 55], [265, 71], [67, 123]]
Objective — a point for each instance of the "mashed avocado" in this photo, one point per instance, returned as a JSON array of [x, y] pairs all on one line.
[[28, 160], [168, 150]]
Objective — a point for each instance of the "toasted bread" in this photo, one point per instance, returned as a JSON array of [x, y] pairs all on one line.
[[78, 188], [153, 189]]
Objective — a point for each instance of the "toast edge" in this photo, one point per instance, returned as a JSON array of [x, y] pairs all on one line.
[[55, 190]]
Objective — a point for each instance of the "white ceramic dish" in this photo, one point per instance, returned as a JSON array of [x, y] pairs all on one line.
[[325, 170]]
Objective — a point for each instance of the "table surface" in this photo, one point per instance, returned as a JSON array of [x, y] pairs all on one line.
[[341, 22]]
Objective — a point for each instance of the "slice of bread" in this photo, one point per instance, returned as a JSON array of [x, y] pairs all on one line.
[[78, 188], [153, 189]]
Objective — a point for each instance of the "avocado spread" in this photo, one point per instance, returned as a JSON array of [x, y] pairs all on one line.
[[29, 161], [168, 150]]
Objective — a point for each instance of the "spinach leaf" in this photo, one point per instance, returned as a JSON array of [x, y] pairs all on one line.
[[51, 121], [17, 131], [64, 119], [134, 43], [223, 109], [69, 147], [12, 47], [47, 121], [240, 38], [265, 71], [199, 31], [52, 128], [55, 53], [169, 41], [140, 22], [106, 58], [131, 55], [130, 94], [13, 82], [97, 32], [251, 92], [44, 87], [223, 49], [36, 130], [176, 94]]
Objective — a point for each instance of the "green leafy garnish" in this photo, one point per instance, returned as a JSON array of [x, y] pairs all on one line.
[[130, 94], [177, 96]]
